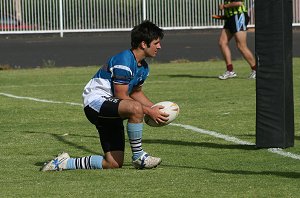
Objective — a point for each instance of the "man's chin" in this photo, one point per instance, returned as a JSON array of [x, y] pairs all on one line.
[[151, 56]]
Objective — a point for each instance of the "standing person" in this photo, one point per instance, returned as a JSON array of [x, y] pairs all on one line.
[[115, 94], [236, 20]]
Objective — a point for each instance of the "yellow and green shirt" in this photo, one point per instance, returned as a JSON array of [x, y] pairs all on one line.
[[235, 10]]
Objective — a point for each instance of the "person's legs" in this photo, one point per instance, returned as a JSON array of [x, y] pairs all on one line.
[[64, 162], [88, 162], [113, 159], [112, 138], [241, 43], [133, 111], [110, 127], [112, 134], [111, 131], [135, 133], [224, 40]]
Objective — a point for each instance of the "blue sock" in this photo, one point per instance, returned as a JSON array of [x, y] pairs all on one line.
[[89, 162], [135, 132]]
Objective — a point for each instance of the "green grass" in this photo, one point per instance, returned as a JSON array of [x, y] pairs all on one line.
[[194, 164]]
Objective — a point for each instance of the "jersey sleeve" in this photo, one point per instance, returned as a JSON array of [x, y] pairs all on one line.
[[121, 67], [121, 74]]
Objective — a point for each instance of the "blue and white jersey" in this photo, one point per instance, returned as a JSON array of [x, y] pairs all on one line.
[[121, 69]]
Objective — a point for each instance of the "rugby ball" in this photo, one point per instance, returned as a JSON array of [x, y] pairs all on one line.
[[170, 108]]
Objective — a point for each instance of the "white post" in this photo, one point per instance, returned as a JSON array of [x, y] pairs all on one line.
[[61, 18], [18, 10], [144, 10]]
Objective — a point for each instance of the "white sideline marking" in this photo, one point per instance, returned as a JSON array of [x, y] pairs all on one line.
[[40, 85], [279, 151], [39, 100], [235, 140], [215, 134]]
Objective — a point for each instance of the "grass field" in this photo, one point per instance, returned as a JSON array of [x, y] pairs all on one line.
[[42, 116]]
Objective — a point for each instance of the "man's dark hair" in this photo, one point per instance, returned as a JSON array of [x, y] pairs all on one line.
[[147, 32]]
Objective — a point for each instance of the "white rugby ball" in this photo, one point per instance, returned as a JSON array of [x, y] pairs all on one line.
[[170, 108]]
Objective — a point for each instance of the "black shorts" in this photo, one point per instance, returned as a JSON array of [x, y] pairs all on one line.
[[109, 125], [237, 23]]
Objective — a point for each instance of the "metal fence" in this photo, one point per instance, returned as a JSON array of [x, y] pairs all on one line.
[[62, 16]]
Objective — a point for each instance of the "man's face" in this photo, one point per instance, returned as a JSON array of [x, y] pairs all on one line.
[[153, 49]]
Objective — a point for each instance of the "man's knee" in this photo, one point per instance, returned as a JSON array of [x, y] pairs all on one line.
[[113, 160], [132, 109], [113, 165], [137, 108], [223, 42]]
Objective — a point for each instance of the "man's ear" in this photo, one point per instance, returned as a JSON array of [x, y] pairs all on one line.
[[143, 45]]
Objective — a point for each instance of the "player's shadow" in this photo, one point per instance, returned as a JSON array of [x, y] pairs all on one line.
[[253, 135], [200, 144], [295, 137], [190, 76], [294, 175], [63, 139]]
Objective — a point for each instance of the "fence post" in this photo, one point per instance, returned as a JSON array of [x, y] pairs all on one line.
[[61, 25], [144, 10]]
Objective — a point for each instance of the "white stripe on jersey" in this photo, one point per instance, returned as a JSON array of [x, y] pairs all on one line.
[[120, 67]]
